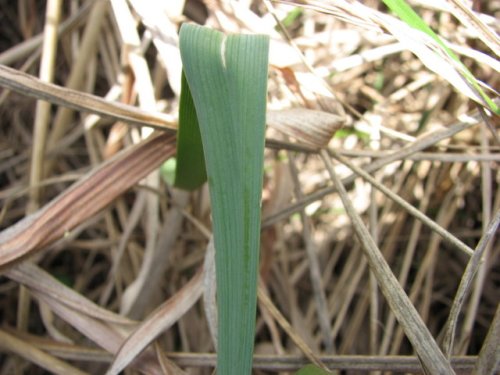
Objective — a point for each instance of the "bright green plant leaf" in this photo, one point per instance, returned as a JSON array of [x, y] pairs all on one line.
[[291, 17], [167, 170], [408, 15], [190, 171], [227, 77], [311, 370]]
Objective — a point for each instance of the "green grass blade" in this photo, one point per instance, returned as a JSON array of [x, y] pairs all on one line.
[[228, 81], [408, 15], [190, 172], [311, 370]]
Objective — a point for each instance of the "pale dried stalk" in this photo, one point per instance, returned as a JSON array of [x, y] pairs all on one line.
[[21, 50], [409, 253], [42, 114], [160, 320], [31, 86], [470, 19], [412, 210], [37, 356], [104, 335], [63, 350], [132, 221], [40, 130], [448, 157], [355, 363], [374, 227], [350, 279], [314, 268], [420, 144], [281, 320], [479, 268], [144, 87], [421, 289], [210, 290], [38, 280], [105, 328], [75, 79], [476, 262], [415, 329], [489, 358], [154, 266], [167, 366]]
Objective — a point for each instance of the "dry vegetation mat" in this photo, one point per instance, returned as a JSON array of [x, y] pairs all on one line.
[[378, 212]]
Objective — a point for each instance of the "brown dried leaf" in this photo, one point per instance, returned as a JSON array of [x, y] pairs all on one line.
[[107, 336], [160, 320], [84, 199], [312, 127], [38, 280], [29, 85], [20, 347]]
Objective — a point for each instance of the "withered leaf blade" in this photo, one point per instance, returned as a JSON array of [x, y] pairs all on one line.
[[84, 199], [29, 85], [37, 279], [312, 127], [160, 320]]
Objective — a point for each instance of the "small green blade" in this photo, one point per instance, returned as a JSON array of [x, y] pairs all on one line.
[[411, 18], [190, 172], [311, 370]]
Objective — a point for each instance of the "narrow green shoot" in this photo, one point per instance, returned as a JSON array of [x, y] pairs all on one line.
[[311, 370], [227, 77], [190, 172], [411, 18]]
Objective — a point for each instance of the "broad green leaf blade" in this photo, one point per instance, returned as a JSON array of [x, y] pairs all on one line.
[[190, 171], [412, 19], [227, 77], [311, 370]]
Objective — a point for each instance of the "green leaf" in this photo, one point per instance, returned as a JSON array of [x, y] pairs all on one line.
[[167, 170], [190, 172], [408, 15], [291, 17], [311, 370], [227, 77]]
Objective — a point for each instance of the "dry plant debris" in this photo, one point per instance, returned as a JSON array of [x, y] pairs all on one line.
[[98, 252]]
